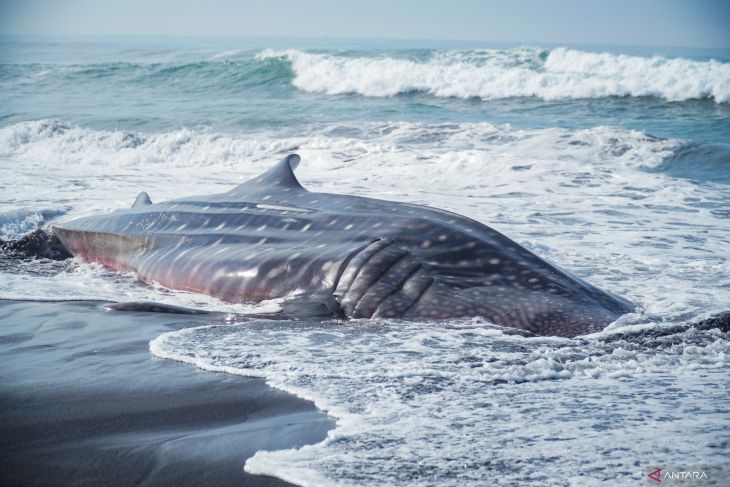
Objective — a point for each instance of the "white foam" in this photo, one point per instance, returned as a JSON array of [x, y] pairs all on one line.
[[461, 403], [16, 223], [490, 74]]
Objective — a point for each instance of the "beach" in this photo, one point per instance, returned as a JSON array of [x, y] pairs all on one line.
[[82, 402]]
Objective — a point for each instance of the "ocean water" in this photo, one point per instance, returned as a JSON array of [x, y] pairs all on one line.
[[613, 162]]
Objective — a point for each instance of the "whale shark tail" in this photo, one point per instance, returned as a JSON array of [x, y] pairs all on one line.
[[38, 244]]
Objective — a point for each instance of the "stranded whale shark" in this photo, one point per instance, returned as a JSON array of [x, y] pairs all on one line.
[[353, 257]]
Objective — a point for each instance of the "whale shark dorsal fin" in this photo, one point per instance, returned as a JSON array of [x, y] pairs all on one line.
[[143, 199], [280, 175]]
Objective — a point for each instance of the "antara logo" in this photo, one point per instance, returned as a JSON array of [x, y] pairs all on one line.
[[658, 477]]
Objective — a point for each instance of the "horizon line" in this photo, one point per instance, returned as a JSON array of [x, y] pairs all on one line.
[[366, 38]]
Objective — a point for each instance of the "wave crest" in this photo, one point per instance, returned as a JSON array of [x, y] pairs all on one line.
[[522, 72]]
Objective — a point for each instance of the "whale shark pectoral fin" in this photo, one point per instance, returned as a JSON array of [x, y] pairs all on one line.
[[280, 176], [320, 306], [316, 306], [149, 307], [143, 199]]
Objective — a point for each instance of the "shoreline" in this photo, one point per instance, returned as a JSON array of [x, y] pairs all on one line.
[[83, 402]]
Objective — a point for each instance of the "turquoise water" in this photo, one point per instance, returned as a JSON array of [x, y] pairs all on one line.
[[154, 84]]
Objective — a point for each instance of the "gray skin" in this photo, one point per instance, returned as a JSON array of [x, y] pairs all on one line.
[[352, 257]]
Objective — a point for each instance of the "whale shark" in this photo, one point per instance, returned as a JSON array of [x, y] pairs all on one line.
[[344, 256]]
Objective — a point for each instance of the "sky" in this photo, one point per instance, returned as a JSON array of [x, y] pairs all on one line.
[[681, 23]]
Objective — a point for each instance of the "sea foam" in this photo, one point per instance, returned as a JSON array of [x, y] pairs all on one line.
[[455, 403], [488, 74]]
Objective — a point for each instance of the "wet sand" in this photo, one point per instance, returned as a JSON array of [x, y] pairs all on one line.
[[83, 402]]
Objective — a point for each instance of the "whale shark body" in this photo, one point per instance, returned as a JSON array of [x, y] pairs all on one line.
[[354, 257]]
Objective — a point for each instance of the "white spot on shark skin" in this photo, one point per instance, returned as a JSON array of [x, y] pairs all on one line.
[[221, 226], [425, 244], [267, 197], [306, 227], [376, 225], [471, 245], [332, 222], [259, 229], [443, 237], [349, 227], [182, 227], [262, 241], [280, 208], [249, 273], [277, 271], [494, 261]]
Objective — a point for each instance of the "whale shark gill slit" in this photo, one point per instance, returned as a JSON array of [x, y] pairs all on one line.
[[366, 277]]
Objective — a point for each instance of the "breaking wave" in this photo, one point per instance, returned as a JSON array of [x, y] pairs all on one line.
[[488, 74]]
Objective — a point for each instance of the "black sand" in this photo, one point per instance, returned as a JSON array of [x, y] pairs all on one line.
[[83, 402]]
